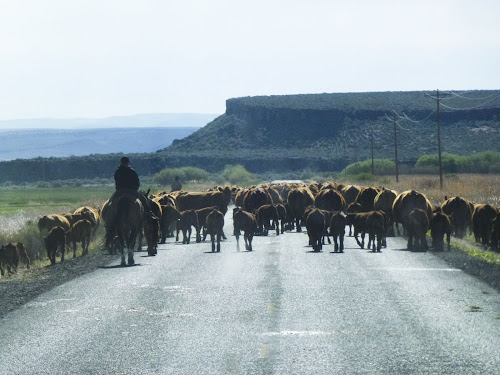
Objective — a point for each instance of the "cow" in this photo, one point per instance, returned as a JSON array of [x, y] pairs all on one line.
[[240, 196], [168, 222], [152, 233], [440, 225], [282, 215], [91, 214], [202, 217], [376, 224], [215, 224], [55, 240], [459, 211], [330, 200], [482, 222], [188, 219], [337, 230], [195, 201], [298, 200], [246, 222], [353, 208], [406, 202], [46, 223], [495, 233], [255, 198], [316, 226], [366, 198], [383, 202], [10, 255], [350, 192], [267, 216], [80, 232], [418, 224]]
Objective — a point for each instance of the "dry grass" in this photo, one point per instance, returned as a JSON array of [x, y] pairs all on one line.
[[478, 188]]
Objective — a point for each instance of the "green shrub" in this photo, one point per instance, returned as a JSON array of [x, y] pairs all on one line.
[[381, 166], [363, 177], [482, 162], [237, 175], [186, 174]]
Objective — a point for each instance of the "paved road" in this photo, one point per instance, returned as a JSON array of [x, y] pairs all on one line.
[[278, 310]]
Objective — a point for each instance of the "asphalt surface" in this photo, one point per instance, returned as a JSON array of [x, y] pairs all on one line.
[[280, 309]]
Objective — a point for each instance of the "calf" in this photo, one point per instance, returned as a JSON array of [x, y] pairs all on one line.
[[282, 215], [358, 221], [169, 219], [80, 232], [352, 209], [246, 222], [337, 230], [440, 225], [189, 218], [316, 226], [56, 239], [418, 224], [152, 234], [376, 224], [215, 224], [267, 218], [10, 255]]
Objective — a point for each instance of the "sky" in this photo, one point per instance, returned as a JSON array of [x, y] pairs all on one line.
[[100, 58]]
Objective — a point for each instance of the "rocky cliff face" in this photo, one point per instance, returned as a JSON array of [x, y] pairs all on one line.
[[331, 130]]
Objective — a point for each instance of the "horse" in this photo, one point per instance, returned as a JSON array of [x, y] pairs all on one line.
[[125, 221]]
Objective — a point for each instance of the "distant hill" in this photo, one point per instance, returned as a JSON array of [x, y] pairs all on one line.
[[153, 120], [329, 131], [317, 132], [27, 144]]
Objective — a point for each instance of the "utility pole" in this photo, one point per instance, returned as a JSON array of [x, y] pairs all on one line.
[[438, 120], [396, 147]]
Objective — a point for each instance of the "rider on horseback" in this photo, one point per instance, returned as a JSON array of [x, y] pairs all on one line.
[[127, 181]]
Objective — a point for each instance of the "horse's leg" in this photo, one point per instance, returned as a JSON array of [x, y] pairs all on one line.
[[212, 238]]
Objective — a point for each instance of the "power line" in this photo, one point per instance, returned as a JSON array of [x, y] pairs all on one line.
[[418, 121], [465, 109], [469, 98]]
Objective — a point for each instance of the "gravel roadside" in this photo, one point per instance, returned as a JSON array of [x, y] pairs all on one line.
[[20, 288]]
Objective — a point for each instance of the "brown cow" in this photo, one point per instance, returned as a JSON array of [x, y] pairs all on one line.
[[255, 198], [350, 192], [168, 223], [215, 224], [440, 225], [282, 215], [10, 255], [246, 222], [418, 224], [376, 225], [195, 201], [330, 200], [202, 221], [495, 233], [406, 202], [337, 230], [366, 198], [482, 222], [316, 226], [80, 232], [267, 218], [384, 201], [91, 214], [188, 219], [55, 240], [152, 233], [46, 223], [298, 200], [353, 208], [459, 211]]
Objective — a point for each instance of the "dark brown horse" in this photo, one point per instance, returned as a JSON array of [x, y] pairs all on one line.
[[124, 221]]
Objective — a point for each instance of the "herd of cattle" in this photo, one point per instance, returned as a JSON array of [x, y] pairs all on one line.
[[325, 210]]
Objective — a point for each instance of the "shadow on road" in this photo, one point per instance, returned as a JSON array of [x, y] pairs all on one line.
[[118, 266]]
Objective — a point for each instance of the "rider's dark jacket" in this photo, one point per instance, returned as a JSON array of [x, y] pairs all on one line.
[[126, 178]]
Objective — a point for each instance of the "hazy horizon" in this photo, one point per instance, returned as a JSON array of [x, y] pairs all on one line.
[[105, 58]]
